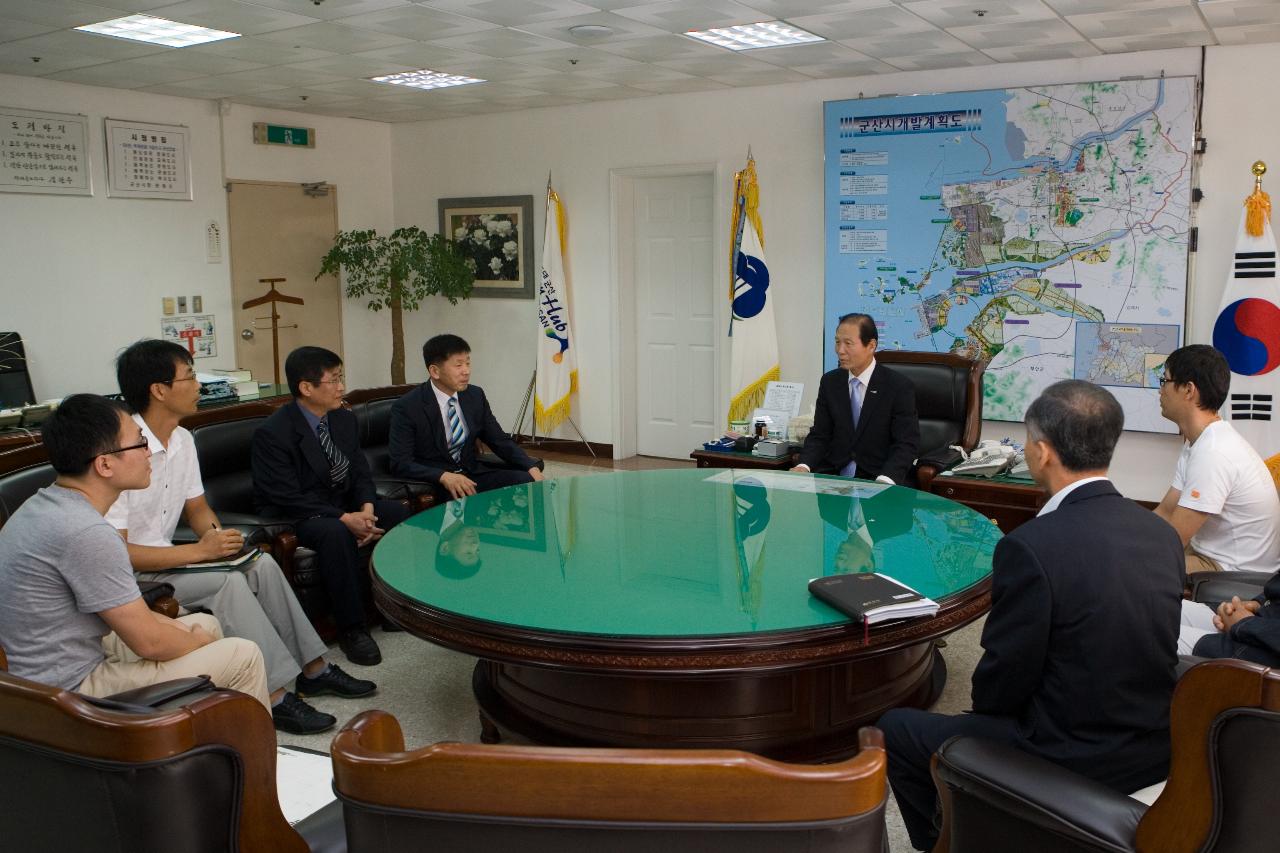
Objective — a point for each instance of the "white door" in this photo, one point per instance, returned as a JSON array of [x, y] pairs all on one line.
[[675, 314]]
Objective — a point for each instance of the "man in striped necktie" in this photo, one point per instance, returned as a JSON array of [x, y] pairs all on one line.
[[308, 468], [435, 426]]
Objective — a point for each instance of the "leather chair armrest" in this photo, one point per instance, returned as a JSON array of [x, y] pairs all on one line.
[[1036, 793], [1185, 662], [283, 546], [1212, 587], [158, 596], [165, 694]]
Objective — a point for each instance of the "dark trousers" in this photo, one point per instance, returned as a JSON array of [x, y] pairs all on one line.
[[911, 737], [1222, 646], [339, 560]]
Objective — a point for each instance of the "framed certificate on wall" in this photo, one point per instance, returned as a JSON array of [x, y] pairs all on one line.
[[148, 160], [44, 152]]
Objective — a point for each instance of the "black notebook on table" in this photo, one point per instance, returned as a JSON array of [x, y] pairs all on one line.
[[871, 598]]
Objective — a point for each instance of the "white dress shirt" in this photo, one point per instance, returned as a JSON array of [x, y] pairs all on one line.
[[1053, 502], [151, 515]]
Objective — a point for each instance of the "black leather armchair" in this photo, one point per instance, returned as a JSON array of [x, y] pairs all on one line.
[[500, 797], [1225, 731], [1214, 587], [949, 403], [101, 776]]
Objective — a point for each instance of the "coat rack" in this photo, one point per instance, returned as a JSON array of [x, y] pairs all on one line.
[[274, 296]]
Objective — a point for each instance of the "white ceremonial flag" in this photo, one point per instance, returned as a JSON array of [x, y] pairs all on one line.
[[753, 333], [557, 351], [1247, 331]]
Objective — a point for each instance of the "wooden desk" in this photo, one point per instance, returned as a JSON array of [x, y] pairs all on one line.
[[1009, 502], [717, 459]]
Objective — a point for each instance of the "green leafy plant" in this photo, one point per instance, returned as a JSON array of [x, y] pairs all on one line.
[[398, 272]]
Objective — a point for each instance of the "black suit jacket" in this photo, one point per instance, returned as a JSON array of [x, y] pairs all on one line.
[[1081, 642], [888, 433], [419, 446], [291, 473]]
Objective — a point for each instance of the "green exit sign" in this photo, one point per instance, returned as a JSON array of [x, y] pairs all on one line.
[[276, 134]]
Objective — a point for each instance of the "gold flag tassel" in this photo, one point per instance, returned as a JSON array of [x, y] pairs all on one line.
[[1258, 205]]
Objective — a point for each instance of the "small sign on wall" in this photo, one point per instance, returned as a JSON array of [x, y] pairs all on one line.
[[277, 134], [196, 332], [44, 153], [148, 160]]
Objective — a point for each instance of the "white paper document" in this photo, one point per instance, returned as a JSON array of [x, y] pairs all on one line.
[[304, 782], [800, 482], [783, 397]]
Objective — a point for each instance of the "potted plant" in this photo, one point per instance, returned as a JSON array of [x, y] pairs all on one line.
[[397, 272]]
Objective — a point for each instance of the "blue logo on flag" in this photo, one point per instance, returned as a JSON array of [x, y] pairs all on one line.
[[751, 281]]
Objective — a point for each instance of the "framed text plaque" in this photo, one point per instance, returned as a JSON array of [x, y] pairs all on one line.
[[44, 152], [148, 160]]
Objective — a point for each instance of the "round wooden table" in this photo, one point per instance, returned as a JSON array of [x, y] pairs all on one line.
[[670, 608]]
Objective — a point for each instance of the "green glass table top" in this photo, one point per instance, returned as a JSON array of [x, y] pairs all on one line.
[[678, 553]]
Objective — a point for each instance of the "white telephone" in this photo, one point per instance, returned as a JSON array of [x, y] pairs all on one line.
[[988, 459]]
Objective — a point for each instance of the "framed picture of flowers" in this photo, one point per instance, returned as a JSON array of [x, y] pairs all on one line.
[[495, 236]]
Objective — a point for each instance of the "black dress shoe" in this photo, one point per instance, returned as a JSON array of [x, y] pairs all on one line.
[[297, 717], [359, 647], [334, 681], [391, 626]]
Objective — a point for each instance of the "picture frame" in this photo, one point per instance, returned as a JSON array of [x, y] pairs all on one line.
[[484, 230], [147, 160]]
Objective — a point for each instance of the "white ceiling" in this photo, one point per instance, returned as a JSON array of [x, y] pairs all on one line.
[[314, 56]]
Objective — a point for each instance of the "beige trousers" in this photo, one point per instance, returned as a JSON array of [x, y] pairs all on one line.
[[1197, 562], [231, 662]]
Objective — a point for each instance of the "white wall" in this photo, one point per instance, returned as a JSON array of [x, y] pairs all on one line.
[[84, 276], [511, 154], [354, 156]]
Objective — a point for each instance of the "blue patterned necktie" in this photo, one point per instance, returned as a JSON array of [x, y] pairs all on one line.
[[855, 410], [457, 432], [338, 462]]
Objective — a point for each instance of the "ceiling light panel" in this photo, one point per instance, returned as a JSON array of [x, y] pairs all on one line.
[[755, 36], [152, 30], [427, 79]]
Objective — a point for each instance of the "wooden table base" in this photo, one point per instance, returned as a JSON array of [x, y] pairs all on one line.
[[809, 714]]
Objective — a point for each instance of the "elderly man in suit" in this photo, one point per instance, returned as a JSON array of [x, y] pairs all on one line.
[[865, 424], [1079, 647], [435, 426], [308, 467]]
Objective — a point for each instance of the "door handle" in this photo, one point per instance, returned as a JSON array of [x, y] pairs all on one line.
[[247, 334]]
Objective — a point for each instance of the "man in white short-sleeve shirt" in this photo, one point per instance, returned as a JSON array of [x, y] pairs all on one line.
[[1222, 502], [253, 601]]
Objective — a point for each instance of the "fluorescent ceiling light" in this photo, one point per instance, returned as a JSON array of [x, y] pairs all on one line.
[[425, 78], [154, 30], [752, 36]]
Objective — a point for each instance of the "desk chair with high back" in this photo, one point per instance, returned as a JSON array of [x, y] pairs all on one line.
[[1220, 797], [478, 797], [948, 403], [103, 776]]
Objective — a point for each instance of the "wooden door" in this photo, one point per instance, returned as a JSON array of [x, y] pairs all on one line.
[[675, 315], [277, 231]]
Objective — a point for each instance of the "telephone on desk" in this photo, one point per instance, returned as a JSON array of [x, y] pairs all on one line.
[[988, 459]]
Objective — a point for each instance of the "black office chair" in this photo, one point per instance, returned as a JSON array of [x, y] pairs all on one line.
[[1225, 732], [949, 404]]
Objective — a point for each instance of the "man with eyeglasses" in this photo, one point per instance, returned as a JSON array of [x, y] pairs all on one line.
[[254, 600], [1222, 501], [71, 615], [1223, 504], [308, 467]]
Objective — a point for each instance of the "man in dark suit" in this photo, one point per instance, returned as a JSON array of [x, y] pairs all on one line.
[[865, 423], [308, 468], [435, 426], [1080, 645]]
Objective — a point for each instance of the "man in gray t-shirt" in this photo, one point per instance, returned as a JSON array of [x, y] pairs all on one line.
[[71, 614], [61, 564]]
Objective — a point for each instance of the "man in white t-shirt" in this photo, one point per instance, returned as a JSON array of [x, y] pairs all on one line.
[[1223, 502], [253, 601]]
